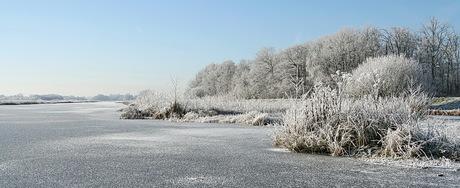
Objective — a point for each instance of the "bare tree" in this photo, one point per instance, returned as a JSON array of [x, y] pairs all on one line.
[[296, 58], [266, 76], [266, 59], [399, 41], [224, 75], [241, 80], [370, 40], [431, 49]]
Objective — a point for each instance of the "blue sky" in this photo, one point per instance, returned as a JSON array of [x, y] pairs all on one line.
[[90, 47]]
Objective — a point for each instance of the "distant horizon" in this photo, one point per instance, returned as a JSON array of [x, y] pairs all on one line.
[[86, 48], [28, 95], [69, 95]]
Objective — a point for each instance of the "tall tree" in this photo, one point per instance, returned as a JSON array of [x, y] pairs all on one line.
[[266, 74], [399, 41], [370, 40], [224, 75], [295, 61], [431, 49], [241, 80]]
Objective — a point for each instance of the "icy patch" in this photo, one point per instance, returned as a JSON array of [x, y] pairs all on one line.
[[279, 149], [117, 144], [199, 181]]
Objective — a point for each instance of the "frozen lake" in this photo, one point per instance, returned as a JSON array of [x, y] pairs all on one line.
[[86, 145]]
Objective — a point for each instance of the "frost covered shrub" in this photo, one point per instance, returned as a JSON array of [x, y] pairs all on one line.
[[385, 76], [329, 121], [152, 104], [149, 99]]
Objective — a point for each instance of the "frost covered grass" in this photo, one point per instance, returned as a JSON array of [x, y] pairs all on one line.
[[19, 102], [333, 122], [447, 128], [377, 112], [329, 122], [440, 112], [227, 109], [250, 118], [153, 105], [238, 105], [216, 109]]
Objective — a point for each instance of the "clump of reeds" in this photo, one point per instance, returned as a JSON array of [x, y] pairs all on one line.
[[331, 121]]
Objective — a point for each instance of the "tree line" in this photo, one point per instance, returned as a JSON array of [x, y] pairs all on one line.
[[50, 97], [296, 69]]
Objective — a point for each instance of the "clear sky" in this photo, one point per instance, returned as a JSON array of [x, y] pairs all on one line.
[[90, 47]]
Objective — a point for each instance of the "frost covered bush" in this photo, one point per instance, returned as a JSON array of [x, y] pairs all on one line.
[[385, 76], [329, 121], [154, 105], [150, 99]]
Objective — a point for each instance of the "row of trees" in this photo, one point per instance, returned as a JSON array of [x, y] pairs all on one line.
[[294, 70], [46, 97]]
